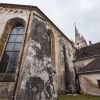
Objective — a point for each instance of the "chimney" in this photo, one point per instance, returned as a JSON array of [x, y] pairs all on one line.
[[90, 42]]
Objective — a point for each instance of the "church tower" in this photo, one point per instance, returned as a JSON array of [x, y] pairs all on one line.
[[79, 39]]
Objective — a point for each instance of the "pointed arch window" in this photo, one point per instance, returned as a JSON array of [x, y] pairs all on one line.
[[10, 56]]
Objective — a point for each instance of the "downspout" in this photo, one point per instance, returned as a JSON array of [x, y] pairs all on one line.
[[17, 79]]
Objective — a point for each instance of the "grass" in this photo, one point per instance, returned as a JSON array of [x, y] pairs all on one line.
[[78, 97]]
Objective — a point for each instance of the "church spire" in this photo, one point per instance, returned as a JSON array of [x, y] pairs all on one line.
[[79, 39], [77, 34], [76, 31]]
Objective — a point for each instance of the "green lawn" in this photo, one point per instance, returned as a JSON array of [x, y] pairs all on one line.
[[78, 97]]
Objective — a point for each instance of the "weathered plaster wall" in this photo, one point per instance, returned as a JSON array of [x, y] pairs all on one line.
[[9, 13], [60, 63], [7, 82], [57, 55], [5, 15], [36, 77], [6, 90], [66, 75], [71, 75], [42, 70], [89, 84]]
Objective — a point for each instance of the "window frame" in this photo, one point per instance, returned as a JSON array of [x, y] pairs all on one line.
[[98, 83], [17, 51]]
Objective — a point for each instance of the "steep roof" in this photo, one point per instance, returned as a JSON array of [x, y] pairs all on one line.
[[93, 66], [89, 51]]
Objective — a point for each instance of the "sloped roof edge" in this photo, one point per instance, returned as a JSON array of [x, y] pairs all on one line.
[[36, 8], [89, 51], [91, 67]]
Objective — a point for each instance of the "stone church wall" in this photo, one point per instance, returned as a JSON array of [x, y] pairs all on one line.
[[7, 84], [58, 57], [6, 14], [36, 77], [66, 74], [45, 57]]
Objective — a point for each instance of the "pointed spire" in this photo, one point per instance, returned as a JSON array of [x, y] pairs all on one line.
[[77, 34], [79, 39], [76, 31]]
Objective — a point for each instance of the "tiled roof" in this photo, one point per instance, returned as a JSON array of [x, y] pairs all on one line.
[[88, 51], [92, 66]]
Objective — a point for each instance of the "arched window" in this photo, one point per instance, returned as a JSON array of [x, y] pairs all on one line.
[[10, 56], [52, 43]]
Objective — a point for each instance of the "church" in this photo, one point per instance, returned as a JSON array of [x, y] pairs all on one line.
[[37, 61]]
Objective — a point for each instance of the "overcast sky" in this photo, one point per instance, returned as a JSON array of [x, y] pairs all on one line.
[[85, 13]]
